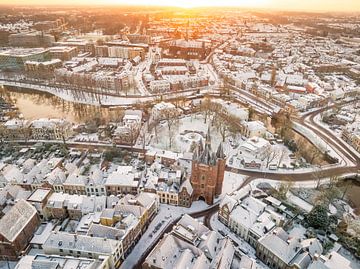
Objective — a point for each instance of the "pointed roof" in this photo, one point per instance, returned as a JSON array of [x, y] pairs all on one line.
[[196, 153], [186, 184], [205, 156], [200, 146], [208, 136], [220, 152]]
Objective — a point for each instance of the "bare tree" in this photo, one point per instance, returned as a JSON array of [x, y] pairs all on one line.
[[328, 195], [172, 134], [284, 188], [313, 154], [282, 154], [226, 124], [205, 107], [270, 155], [132, 136], [170, 116], [318, 175]]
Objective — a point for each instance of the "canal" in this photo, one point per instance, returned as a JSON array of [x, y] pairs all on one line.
[[34, 105]]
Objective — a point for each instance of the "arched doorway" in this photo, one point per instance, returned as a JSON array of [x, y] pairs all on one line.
[[201, 198]]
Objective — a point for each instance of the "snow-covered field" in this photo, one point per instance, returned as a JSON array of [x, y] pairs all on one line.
[[194, 123], [232, 181]]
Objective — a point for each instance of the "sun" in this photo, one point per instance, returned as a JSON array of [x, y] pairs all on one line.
[[198, 3]]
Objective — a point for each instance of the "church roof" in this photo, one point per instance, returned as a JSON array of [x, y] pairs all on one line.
[[205, 155], [220, 152]]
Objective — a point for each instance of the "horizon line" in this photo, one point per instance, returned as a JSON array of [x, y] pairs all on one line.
[[247, 8]]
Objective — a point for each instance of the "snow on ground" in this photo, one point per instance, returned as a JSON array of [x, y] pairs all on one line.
[[281, 158], [297, 231], [182, 141], [318, 120], [166, 215], [297, 201], [88, 99], [354, 262], [308, 184], [232, 181], [86, 138], [243, 246], [322, 145]]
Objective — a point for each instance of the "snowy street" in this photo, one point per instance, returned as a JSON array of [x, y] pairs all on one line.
[[165, 216]]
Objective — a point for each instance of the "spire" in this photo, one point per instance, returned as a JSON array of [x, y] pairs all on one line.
[[208, 137], [196, 153], [205, 156], [213, 158], [220, 152], [200, 146]]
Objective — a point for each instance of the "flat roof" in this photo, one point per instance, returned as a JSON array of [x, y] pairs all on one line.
[[39, 195]]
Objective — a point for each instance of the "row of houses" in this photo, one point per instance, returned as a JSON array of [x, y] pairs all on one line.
[[262, 221], [163, 176], [106, 233], [178, 84], [40, 129]]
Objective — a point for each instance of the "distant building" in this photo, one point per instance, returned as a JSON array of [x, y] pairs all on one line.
[[31, 39], [187, 49], [159, 86], [159, 109], [50, 129], [16, 58], [138, 39], [15, 129], [46, 66], [82, 45], [64, 53]]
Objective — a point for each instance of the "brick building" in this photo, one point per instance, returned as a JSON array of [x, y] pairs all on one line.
[[208, 170], [17, 227]]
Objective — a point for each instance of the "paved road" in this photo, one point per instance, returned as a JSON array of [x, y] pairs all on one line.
[[322, 132]]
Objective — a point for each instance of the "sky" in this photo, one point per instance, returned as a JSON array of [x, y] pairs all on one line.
[[309, 5]]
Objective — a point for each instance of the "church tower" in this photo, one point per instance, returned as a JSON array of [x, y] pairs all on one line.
[[207, 174]]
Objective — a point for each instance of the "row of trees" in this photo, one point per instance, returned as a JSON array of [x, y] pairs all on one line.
[[299, 145], [214, 115], [226, 123]]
